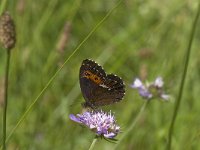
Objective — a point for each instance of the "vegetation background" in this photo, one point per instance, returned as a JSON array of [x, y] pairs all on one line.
[[140, 38]]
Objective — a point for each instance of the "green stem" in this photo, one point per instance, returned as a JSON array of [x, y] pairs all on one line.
[[5, 98], [177, 104], [2, 6], [93, 143], [128, 131]]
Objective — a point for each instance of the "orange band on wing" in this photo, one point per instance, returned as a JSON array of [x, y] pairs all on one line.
[[93, 77]]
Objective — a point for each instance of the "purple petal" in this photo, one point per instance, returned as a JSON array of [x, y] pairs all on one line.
[[74, 118], [99, 133], [137, 83], [91, 126], [145, 93], [158, 82], [110, 135]]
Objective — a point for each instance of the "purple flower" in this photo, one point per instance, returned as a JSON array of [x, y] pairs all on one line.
[[102, 123], [158, 82], [152, 90], [142, 89]]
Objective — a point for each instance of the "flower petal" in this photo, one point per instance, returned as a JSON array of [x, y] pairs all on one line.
[[137, 83], [74, 118], [159, 82], [165, 97], [145, 93], [109, 135]]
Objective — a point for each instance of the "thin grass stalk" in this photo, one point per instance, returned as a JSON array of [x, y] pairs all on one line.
[[93, 143], [128, 131], [2, 6], [179, 98], [56, 73], [5, 98]]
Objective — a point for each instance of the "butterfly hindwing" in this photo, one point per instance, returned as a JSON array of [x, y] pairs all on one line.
[[97, 88]]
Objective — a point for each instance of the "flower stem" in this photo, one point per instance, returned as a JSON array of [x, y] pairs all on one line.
[[5, 98], [2, 6], [128, 131], [177, 104], [93, 143]]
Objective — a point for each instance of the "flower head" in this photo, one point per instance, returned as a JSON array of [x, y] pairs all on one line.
[[102, 123], [152, 90]]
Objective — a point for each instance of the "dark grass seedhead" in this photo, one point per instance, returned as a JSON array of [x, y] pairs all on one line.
[[7, 31]]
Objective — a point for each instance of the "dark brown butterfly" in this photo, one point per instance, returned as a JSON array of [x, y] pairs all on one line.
[[99, 88]]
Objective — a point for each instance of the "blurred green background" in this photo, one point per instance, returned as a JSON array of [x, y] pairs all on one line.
[[141, 38]]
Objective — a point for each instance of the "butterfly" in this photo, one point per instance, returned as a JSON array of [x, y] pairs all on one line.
[[97, 87]]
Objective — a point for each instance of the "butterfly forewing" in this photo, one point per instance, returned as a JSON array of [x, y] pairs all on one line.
[[97, 88]]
